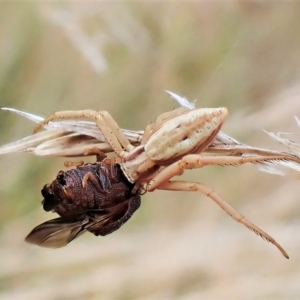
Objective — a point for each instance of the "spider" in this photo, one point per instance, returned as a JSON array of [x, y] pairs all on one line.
[[171, 145]]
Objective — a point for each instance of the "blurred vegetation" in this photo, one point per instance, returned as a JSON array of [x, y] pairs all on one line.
[[120, 57]]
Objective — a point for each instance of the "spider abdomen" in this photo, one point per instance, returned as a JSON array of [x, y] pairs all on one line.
[[190, 132]]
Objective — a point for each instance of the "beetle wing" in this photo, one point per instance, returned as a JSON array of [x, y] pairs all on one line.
[[56, 233], [114, 217]]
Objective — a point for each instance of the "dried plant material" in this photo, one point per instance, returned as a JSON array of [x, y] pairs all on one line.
[[60, 135], [63, 138], [292, 146], [30, 142], [71, 145], [284, 167], [181, 100]]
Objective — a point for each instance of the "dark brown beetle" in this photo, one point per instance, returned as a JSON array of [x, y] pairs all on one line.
[[93, 197]]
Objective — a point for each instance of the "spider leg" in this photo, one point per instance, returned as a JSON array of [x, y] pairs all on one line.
[[104, 121], [209, 192], [114, 127], [193, 161]]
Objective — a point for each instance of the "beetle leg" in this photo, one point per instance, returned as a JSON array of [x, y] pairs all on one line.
[[70, 164]]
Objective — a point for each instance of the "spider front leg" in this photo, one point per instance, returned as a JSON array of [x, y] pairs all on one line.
[[193, 161], [209, 192], [104, 121]]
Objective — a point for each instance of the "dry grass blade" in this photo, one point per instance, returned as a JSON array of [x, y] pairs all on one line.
[[74, 138]]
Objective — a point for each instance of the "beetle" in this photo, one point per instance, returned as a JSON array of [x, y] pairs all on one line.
[[94, 198]]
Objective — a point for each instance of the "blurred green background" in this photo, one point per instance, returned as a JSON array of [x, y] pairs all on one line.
[[120, 57]]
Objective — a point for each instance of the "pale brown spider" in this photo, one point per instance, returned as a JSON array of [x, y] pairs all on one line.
[[171, 145]]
